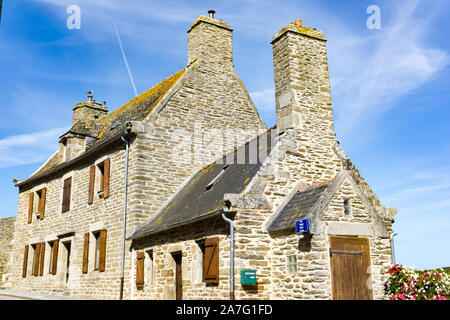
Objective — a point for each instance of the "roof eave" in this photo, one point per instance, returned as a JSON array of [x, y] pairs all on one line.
[[178, 224], [74, 160]]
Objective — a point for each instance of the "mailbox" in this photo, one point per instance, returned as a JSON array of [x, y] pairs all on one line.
[[248, 277]]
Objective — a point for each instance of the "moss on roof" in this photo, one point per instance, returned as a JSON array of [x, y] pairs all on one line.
[[113, 123], [203, 195]]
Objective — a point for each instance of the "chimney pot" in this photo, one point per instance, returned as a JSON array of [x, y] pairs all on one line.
[[211, 14], [90, 95], [298, 22]]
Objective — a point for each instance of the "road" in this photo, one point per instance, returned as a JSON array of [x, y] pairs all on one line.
[[4, 297]]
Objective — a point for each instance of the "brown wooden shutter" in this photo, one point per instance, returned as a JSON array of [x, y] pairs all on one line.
[[25, 262], [102, 258], [140, 270], [66, 194], [55, 256], [86, 252], [41, 207], [211, 260], [91, 184], [30, 207], [106, 173], [36, 259], [41, 259]]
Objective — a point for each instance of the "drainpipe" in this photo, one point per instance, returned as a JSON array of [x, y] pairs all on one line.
[[231, 255], [127, 143], [393, 234]]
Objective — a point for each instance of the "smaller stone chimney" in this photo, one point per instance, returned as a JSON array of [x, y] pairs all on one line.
[[89, 110], [210, 40], [302, 84]]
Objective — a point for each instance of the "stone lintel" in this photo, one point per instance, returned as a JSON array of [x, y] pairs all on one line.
[[349, 229]]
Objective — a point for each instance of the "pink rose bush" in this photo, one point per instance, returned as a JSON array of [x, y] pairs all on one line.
[[409, 284]]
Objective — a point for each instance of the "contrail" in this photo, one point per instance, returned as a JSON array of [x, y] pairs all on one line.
[[125, 59]]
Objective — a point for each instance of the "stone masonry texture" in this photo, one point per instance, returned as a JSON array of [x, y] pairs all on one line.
[[205, 114]]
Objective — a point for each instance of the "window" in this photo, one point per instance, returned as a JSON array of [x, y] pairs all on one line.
[[100, 250], [41, 195], [36, 255], [149, 266], [101, 187], [292, 264], [347, 208], [211, 260], [66, 194], [53, 261], [36, 204]]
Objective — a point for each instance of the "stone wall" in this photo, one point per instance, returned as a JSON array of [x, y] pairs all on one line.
[[71, 226], [205, 114], [6, 235], [159, 273]]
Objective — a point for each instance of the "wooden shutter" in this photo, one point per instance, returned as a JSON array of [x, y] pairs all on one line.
[[211, 261], [30, 207], [140, 270], [36, 259], [106, 173], [102, 258], [66, 194], [41, 259], [41, 207], [55, 256], [25, 262], [86, 252], [91, 184]]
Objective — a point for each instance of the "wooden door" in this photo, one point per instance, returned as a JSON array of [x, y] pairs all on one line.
[[350, 273], [177, 256]]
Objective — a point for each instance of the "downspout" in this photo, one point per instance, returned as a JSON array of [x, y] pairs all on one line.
[[393, 234], [231, 255], [127, 143]]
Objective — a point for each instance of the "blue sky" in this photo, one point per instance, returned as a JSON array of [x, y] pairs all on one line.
[[390, 87]]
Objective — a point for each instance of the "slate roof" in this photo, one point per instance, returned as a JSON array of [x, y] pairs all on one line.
[[115, 122], [299, 206], [199, 198]]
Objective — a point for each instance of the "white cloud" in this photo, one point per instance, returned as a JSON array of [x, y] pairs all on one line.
[[29, 148], [368, 83]]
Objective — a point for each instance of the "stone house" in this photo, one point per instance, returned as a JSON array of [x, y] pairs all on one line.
[[183, 192]]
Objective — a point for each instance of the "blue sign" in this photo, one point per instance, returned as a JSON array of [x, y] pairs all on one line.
[[302, 226]]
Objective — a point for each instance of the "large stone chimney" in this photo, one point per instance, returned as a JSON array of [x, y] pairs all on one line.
[[302, 85], [210, 40]]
